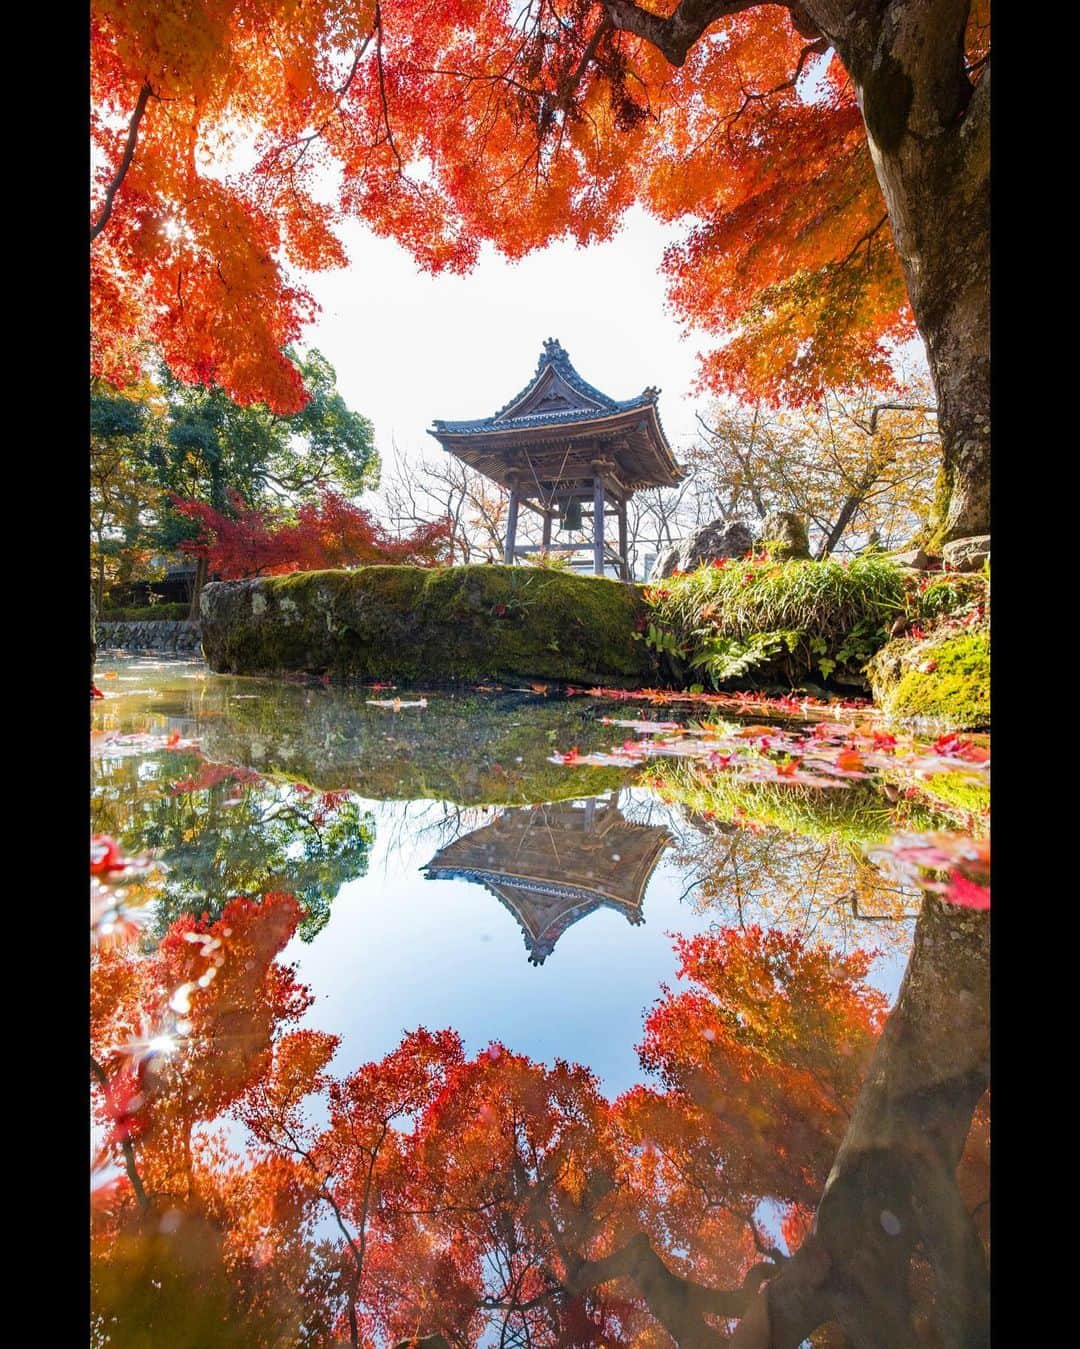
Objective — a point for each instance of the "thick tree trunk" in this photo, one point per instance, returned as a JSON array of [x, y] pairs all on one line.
[[892, 1189], [929, 134]]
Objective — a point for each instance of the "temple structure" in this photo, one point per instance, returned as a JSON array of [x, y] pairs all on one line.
[[564, 450], [551, 865]]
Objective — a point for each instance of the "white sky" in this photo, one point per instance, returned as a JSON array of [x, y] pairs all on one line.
[[409, 347]]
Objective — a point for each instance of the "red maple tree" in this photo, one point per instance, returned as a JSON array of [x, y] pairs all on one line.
[[329, 532]]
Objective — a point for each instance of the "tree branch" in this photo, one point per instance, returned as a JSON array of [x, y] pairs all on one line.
[[675, 35], [677, 1303], [125, 1144], [894, 407], [145, 94]]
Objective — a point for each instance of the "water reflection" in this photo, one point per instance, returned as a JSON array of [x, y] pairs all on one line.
[[221, 830], [798, 1154], [551, 865]]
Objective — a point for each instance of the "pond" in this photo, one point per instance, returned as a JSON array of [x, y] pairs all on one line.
[[512, 1016]]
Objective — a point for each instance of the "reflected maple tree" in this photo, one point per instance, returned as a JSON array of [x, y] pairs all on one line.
[[437, 1195], [176, 1038], [761, 874]]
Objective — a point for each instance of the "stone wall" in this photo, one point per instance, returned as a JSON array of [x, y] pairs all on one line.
[[156, 636]]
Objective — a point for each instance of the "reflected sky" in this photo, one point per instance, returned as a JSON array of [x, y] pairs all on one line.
[[401, 949], [437, 878]]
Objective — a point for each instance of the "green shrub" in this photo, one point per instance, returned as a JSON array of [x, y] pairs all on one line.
[[150, 613], [798, 619]]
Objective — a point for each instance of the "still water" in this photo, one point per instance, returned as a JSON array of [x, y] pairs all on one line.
[[403, 1030]]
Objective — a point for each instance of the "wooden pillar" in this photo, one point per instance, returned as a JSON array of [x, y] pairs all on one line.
[[598, 524], [547, 529], [624, 547], [511, 519]]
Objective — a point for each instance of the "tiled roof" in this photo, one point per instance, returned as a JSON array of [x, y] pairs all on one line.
[[594, 403]]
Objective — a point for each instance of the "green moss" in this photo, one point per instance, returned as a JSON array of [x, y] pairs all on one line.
[[944, 678], [933, 534], [432, 624], [962, 790], [860, 815]]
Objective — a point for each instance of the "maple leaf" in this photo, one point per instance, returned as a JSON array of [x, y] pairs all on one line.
[[967, 893]]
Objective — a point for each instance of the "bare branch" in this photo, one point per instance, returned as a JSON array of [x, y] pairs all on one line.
[[895, 407]]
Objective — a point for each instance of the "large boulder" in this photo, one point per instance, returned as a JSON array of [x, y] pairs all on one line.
[[430, 624], [785, 533], [966, 554], [719, 538], [912, 558], [665, 564]]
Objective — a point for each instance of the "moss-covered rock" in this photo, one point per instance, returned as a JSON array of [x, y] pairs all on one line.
[[783, 536], [943, 678], [435, 624]]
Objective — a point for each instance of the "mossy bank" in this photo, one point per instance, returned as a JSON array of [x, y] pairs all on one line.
[[439, 624], [942, 679]]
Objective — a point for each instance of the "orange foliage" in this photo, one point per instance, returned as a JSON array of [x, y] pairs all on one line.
[[255, 129]]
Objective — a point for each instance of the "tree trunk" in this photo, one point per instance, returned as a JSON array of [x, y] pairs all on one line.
[[851, 504], [929, 137], [196, 589], [929, 134], [893, 1188]]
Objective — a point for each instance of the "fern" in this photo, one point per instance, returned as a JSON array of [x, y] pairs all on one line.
[[731, 657]]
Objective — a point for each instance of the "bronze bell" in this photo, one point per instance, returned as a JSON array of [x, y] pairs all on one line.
[[570, 519]]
